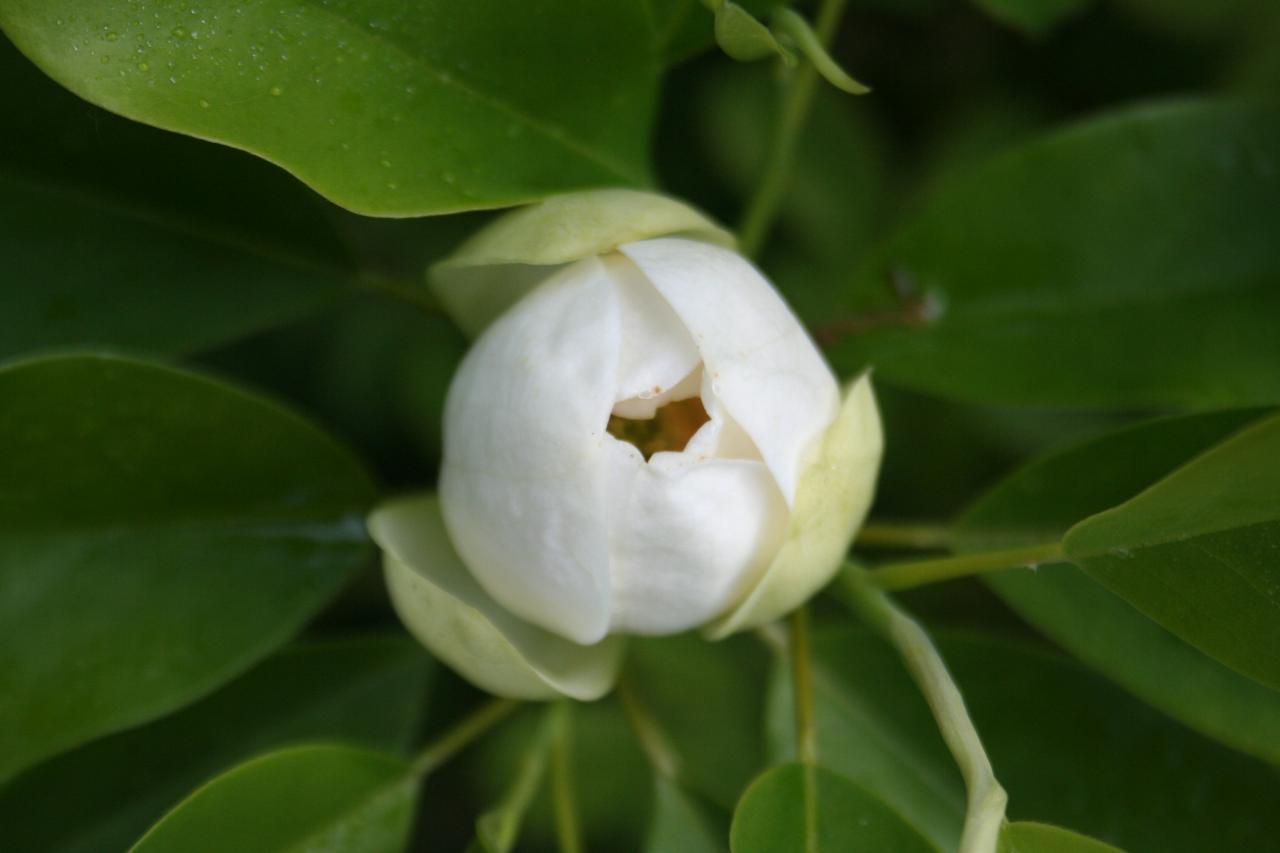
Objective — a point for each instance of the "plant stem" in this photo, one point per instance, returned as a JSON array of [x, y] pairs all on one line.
[[913, 574], [763, 207], [461, 734], [986, 799], [417, 296], [802, 687], [895, 534], [502, 824], [568, 831], [657, 748]]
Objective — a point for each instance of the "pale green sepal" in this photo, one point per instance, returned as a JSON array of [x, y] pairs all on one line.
[[444, 607], [832, 500], [797, 29], [507, 258], [744, 38]]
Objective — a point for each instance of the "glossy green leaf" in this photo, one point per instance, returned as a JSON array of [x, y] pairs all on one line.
[[1027, 837], [1059, 272], [1070, 748], [1035, 17], [678, 824], [301, 798], [386, 108], [771, 817], [161, 532], [104, 795], [1040, 502], [1197, 551], [683, 682], [122, 235]]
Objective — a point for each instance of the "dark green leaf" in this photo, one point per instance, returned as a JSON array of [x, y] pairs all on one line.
[[118, 234], [160, 532], [1197, 552], [684, 682], [1062, 272], [104, 795], [1040, 502], [1035, 17], [301, 798], [678, 824], [1026, 837], [771, 817], [384, 107], [1070, 748]]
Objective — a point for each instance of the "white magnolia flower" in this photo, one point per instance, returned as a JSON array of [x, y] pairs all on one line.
[[646, 441]]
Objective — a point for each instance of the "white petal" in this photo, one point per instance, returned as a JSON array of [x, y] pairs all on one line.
[[834, 496], [522, 479], [689, 539], [448, 612], [657, 352], [760, 361]]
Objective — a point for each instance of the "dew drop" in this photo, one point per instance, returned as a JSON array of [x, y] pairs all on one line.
[[204, 105], [276, 91], [142, 66], [179, 33], [111, 36]]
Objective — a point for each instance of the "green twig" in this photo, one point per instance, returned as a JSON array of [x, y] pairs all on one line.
[[802, 687], [500, 826], [568, 830], [907, 575], [986, 799], [463, 733], [763, 206], [657, 747], [893, 534]]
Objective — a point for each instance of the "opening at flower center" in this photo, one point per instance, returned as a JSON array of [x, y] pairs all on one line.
[[670, 428]]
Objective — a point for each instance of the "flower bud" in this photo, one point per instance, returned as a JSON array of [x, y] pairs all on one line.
[[643, 440]]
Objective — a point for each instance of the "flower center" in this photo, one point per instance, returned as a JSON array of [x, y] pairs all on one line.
[[670, 428]]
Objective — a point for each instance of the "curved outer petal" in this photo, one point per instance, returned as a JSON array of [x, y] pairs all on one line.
[[831, 502], [522, 483], [443, 606], [689, 538], [762, 365], [485, 276]]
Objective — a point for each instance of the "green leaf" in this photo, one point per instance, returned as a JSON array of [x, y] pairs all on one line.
[[683, 682], [160, 533], [118, 234], [1043, 500], [1026, 837], [104, 795], [1070, 748], [678, 824], [384, 107], [683, 28], [1059, 272], [323, 797], [771, 817], [744, 38], [1034, 17], [1197, 551]]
